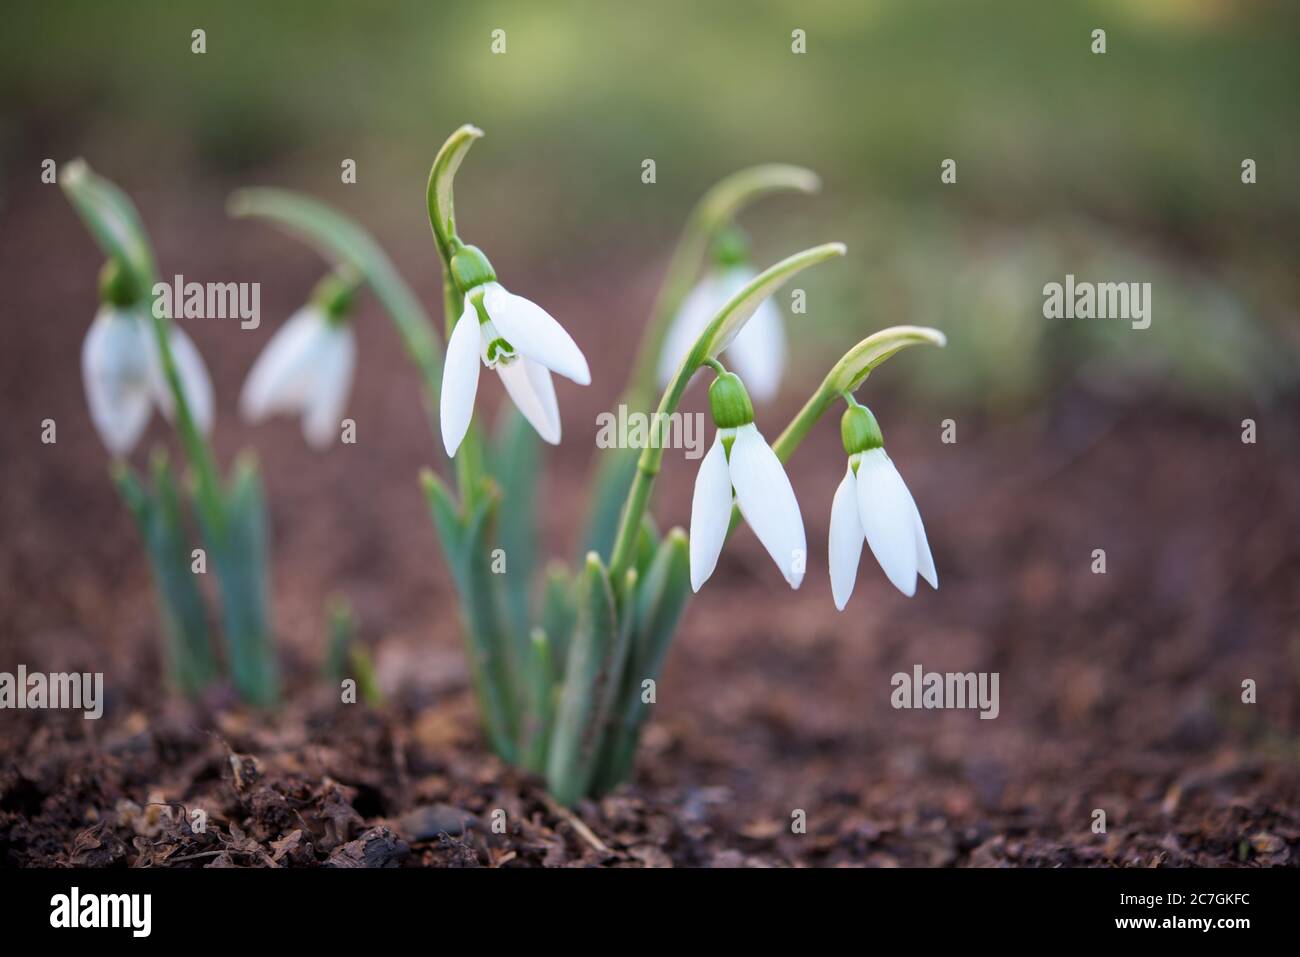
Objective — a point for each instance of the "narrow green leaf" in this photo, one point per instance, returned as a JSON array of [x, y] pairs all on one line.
[[613, 478], [591, 679], [535, 733], [647, 543], [188, 652], [658, 608], [516, 464], [461, 540], [240, 551], [341, 627], [559, 612], [364, 669]]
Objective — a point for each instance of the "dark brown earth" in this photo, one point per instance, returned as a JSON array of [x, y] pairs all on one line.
[[1119, 691]]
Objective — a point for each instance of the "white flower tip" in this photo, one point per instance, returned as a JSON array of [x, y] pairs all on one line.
[[450, 444], [931, 576], [909, 590], [795, 572], [319, 439], [251, 409]]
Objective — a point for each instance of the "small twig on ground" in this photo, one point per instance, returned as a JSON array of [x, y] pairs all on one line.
[[576, 823]]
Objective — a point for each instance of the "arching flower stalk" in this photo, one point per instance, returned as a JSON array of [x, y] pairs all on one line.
[[759, 350]]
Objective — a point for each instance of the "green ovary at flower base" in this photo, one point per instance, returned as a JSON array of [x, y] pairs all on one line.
[[135, 359]]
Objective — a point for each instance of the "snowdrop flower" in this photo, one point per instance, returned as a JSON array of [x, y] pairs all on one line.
[[873, 503], [741, 460], [515, 337], [122, 370], [306, 367], [757, 352]]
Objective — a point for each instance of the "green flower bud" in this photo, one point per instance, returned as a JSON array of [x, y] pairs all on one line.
[[859, 430], [729, 402], [470, 268], [335, 294], [731, 248], [116, 287]]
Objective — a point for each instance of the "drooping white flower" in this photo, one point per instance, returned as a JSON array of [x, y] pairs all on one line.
[[305, 369], [742, 462], [512, 335], [122, 372], [757, 352], [873, 504]]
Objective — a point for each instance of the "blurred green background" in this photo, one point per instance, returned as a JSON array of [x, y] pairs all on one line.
[[1122, 166]]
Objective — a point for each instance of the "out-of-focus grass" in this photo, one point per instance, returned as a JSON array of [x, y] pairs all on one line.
[[1126, 163]]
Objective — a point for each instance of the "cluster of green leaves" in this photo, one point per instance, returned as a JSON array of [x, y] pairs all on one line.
[[231, 516]]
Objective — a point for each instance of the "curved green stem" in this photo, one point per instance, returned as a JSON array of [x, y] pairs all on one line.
[[438, 194], [716, 337], [844, 377], [715, 210]]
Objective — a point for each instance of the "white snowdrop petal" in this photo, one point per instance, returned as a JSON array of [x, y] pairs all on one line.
[[114, 372], [887, 519], [534, 333], [924, 560], [768, 503], [758, 352], [699, 306], [195, 382], [333, 367], [529, 384], [710, 514], [845, 540], [459, 379], [281, 377]]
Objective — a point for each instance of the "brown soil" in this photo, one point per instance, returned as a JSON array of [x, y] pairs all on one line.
[[1118, 691]]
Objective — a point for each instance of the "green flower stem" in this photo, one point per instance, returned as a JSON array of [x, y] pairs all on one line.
[[844, 377], [711, 215], [197, 451], [719, 333], [438, 195], [502, 674]]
